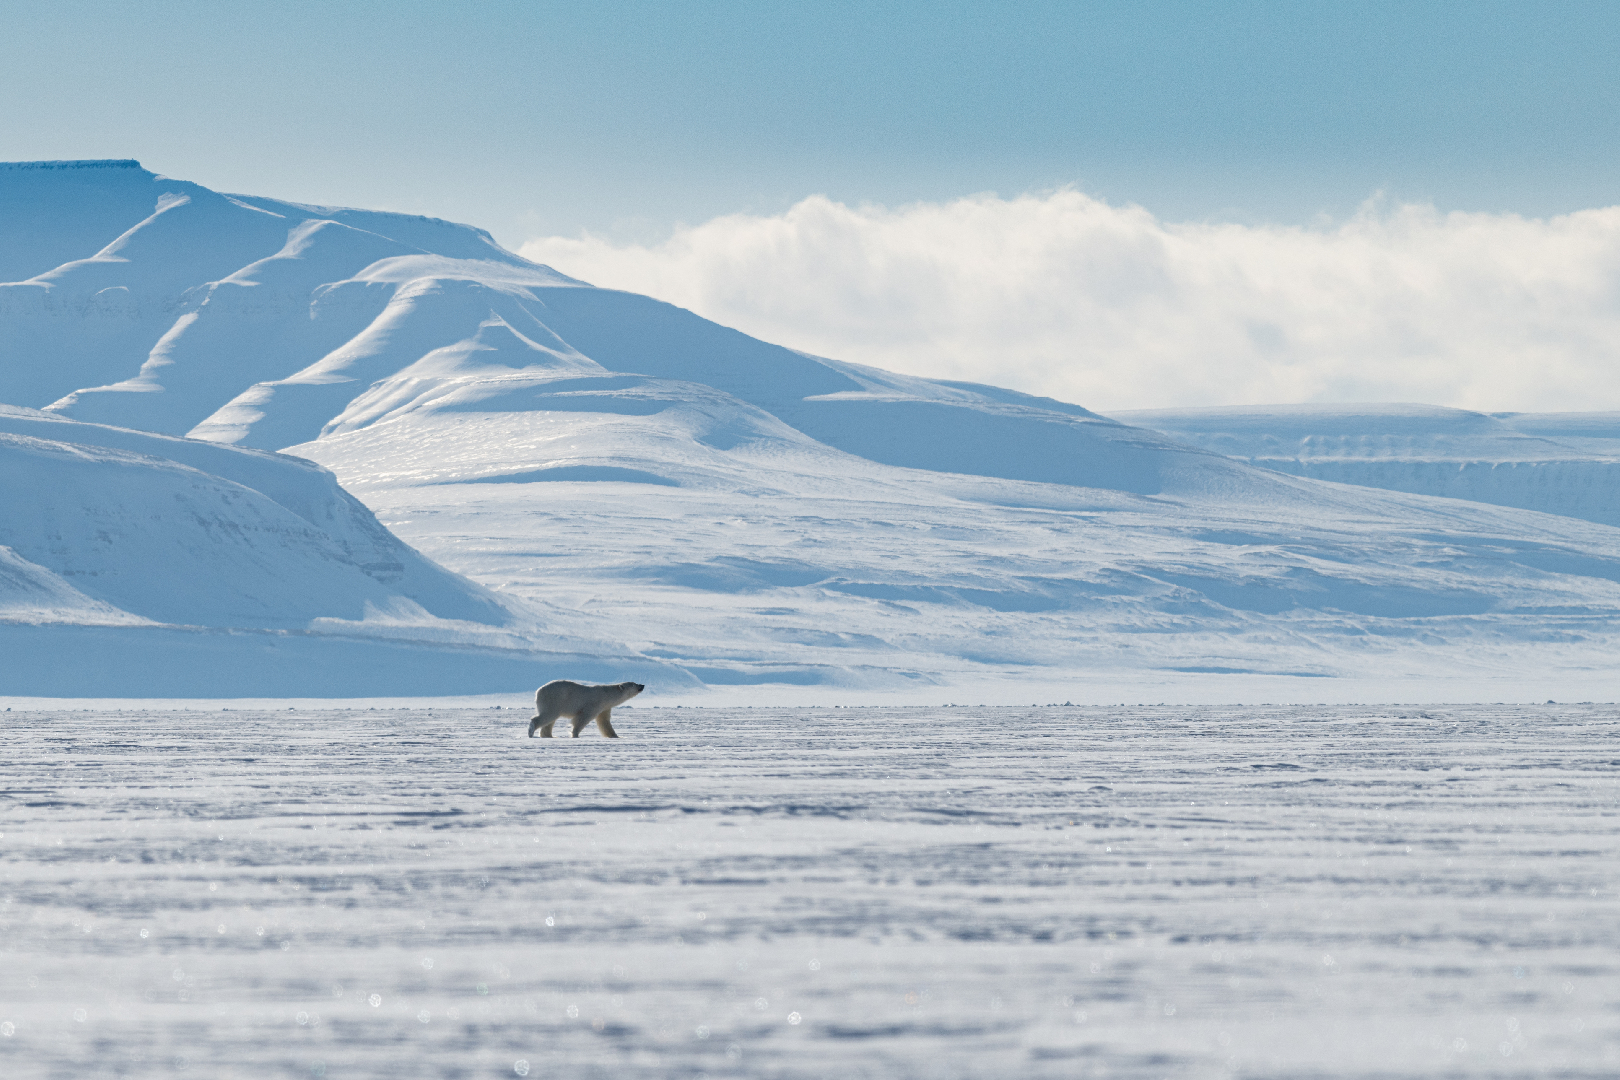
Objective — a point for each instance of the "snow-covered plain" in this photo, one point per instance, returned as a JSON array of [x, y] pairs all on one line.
[[960, 892]]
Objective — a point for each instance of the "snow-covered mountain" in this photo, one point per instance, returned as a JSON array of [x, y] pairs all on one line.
[[626, 473], [259, 323]]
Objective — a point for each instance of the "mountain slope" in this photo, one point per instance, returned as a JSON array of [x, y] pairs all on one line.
[[191, 280], [775, 558]]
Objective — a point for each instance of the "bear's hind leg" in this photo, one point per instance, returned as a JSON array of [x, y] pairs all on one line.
[[545, 714], [604, 724], [580, 721], [543, 720]]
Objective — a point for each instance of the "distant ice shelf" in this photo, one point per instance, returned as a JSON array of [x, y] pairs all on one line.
[[1557, 463]]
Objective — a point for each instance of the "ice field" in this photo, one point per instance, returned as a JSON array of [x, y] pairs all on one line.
[[1255, 892]]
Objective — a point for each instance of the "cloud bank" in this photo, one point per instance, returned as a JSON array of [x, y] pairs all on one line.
[[1109, 307]]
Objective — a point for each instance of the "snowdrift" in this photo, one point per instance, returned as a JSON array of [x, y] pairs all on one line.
[[635, 483]]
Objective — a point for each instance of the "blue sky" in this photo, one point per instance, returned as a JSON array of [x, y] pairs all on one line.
[[541, 118]]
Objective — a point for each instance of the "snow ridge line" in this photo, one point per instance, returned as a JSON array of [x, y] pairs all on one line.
[[85, 163]]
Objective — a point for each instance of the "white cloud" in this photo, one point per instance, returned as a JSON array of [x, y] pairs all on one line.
[[1109, 307]]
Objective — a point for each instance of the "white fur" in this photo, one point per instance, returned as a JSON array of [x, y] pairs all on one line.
[[584, 703]]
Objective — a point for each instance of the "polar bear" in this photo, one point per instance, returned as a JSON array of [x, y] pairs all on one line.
[[584, 703]]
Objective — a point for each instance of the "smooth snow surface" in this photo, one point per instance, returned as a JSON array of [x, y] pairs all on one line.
[[1139, 893], [698, 509]]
